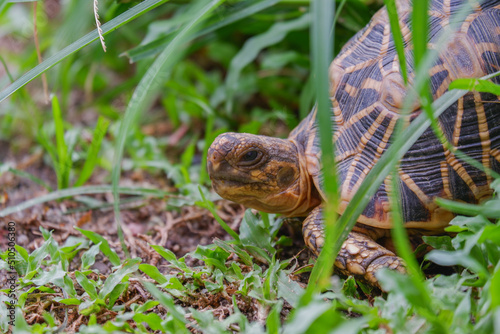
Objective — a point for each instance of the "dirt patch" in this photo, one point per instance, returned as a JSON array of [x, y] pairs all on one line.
[[145, 222]]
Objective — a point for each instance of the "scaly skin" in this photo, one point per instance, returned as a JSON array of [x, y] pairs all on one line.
[[359, 256]]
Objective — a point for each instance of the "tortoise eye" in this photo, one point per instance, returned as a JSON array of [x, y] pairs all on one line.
[[250, 157]]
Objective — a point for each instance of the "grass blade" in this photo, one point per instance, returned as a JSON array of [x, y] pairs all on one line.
[[81, 191], [63, 163], [399, 234], [477, 85], [323, 15], [95, 146], [210, 207], [397, 36], [30, 177], [486, 209], [108, 27], [420, 29]]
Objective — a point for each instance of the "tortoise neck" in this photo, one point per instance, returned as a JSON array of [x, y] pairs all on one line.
[[308, 197]]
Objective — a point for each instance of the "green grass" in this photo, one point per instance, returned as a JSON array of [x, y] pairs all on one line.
[[466, 301], [211, 67]]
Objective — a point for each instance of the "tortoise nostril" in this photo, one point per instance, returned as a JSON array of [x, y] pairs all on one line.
[[216, 156]]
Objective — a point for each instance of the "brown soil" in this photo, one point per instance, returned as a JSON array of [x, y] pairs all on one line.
[[145, 222]]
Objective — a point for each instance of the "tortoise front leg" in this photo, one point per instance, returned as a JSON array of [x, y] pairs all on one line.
[[359, 256]]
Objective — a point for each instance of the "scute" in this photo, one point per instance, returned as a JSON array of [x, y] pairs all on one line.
[[367, 93]]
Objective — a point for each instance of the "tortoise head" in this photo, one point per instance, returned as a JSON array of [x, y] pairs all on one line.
[[265, 173]]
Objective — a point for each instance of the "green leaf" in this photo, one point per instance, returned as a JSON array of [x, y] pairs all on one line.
[[439, 242], [215, 257], [150, 49], [252, 48], [273, 322], [237, 271], [22, 252], [95, 146], [210, 207], [170, 257], [152, 272], [305, 317], [89, 307], [208, 323], [88, 258], [393, 281], [116, 293], [68, 301], [289, 290], [258, 253], [146, 306], [253, 234], [30, 177], [128, 267], [420, 29], [187, 158], [233, 248], [174, 283], [55, 273], [168, 303], [491, 233], [489, 209], [152, 319], [104, 245], [86, 284], [478, 85], [36, 257], [64, 163], [462, 312], [495, 289], [460, 257], [167, 254]]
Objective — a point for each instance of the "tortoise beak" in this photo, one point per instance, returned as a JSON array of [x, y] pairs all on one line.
[[214, 160]]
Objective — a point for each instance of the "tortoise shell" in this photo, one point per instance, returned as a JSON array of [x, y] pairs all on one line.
[[367, 93]]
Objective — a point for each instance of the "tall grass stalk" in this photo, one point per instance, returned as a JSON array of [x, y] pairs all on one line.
[[420, 35], [63, 163], [150, 83], [322, 42], [85, 190]]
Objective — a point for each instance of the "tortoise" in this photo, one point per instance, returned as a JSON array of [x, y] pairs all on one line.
[[367, 92]]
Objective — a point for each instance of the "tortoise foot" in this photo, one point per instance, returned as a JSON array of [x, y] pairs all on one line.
[[387, 261], [360, 256]]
